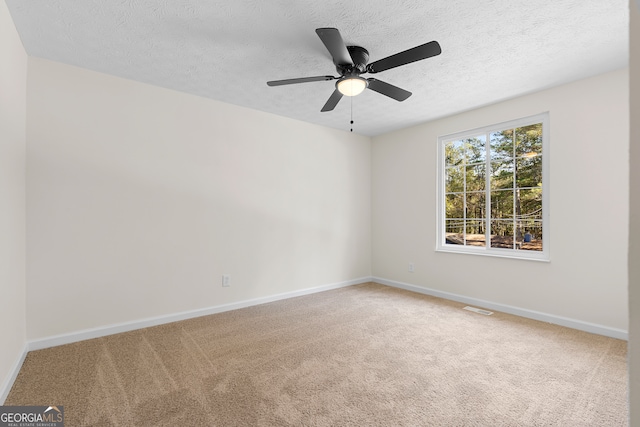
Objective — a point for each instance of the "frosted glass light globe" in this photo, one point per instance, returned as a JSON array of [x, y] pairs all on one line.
[[351, 86]]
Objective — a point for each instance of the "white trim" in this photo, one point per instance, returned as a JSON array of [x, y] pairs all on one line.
[[102, 331], [495, 252], [522, 312], [8, 383]]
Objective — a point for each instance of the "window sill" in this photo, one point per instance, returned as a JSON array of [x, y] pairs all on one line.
[[540, 257]]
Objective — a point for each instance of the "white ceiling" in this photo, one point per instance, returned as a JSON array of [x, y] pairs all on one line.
[[227, 50]]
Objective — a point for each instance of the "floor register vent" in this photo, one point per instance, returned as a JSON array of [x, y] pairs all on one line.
[[478, 310]]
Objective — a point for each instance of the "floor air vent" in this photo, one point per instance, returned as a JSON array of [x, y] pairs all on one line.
[[479, 310]]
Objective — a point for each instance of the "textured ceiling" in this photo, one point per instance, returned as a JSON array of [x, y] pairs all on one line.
[[227, 50]]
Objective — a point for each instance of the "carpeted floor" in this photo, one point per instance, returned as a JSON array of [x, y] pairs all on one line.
[[365, 355]]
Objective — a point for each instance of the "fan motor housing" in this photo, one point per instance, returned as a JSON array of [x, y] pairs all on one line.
[[360, 58]]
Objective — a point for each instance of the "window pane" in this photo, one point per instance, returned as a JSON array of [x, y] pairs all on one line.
[[529, 172], [454, 179], [501, 145], [455, 206], [455, 232], [454, 153], [476, 177], [476, 205], [529, 140], [530, 203], [475, 149], [475, 233], [502, 204], [531, 235], [502, 174], [502, 234]]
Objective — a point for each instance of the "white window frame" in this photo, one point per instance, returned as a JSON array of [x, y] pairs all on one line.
[[441, 244]]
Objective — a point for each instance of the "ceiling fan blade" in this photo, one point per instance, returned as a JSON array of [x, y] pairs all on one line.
[[335, 45], [300, 80], [417, 53], [389, 90], [333, 101]]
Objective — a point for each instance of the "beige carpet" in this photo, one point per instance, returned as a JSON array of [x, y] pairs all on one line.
[[366, 355]]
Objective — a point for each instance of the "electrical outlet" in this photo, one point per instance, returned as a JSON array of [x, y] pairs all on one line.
[[226, 280], [411, 267]]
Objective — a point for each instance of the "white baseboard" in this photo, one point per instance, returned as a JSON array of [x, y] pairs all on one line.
[[8, 383], [86, 334], [522, 312]]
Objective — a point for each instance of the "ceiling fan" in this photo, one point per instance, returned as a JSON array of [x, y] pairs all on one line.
[[351, 62]]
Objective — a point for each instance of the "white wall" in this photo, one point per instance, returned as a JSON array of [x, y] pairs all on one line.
[[634, 234], [140, 198], [586, 279], [13, 89]]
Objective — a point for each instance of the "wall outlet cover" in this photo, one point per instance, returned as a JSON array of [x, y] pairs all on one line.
[[226, 280]]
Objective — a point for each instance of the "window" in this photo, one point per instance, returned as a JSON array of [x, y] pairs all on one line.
[[492, 197]]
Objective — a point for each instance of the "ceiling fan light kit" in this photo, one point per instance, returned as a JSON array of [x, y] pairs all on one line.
[[352, 86], [352, 61]]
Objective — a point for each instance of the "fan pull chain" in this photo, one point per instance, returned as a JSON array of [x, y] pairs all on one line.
[[351, 114]]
